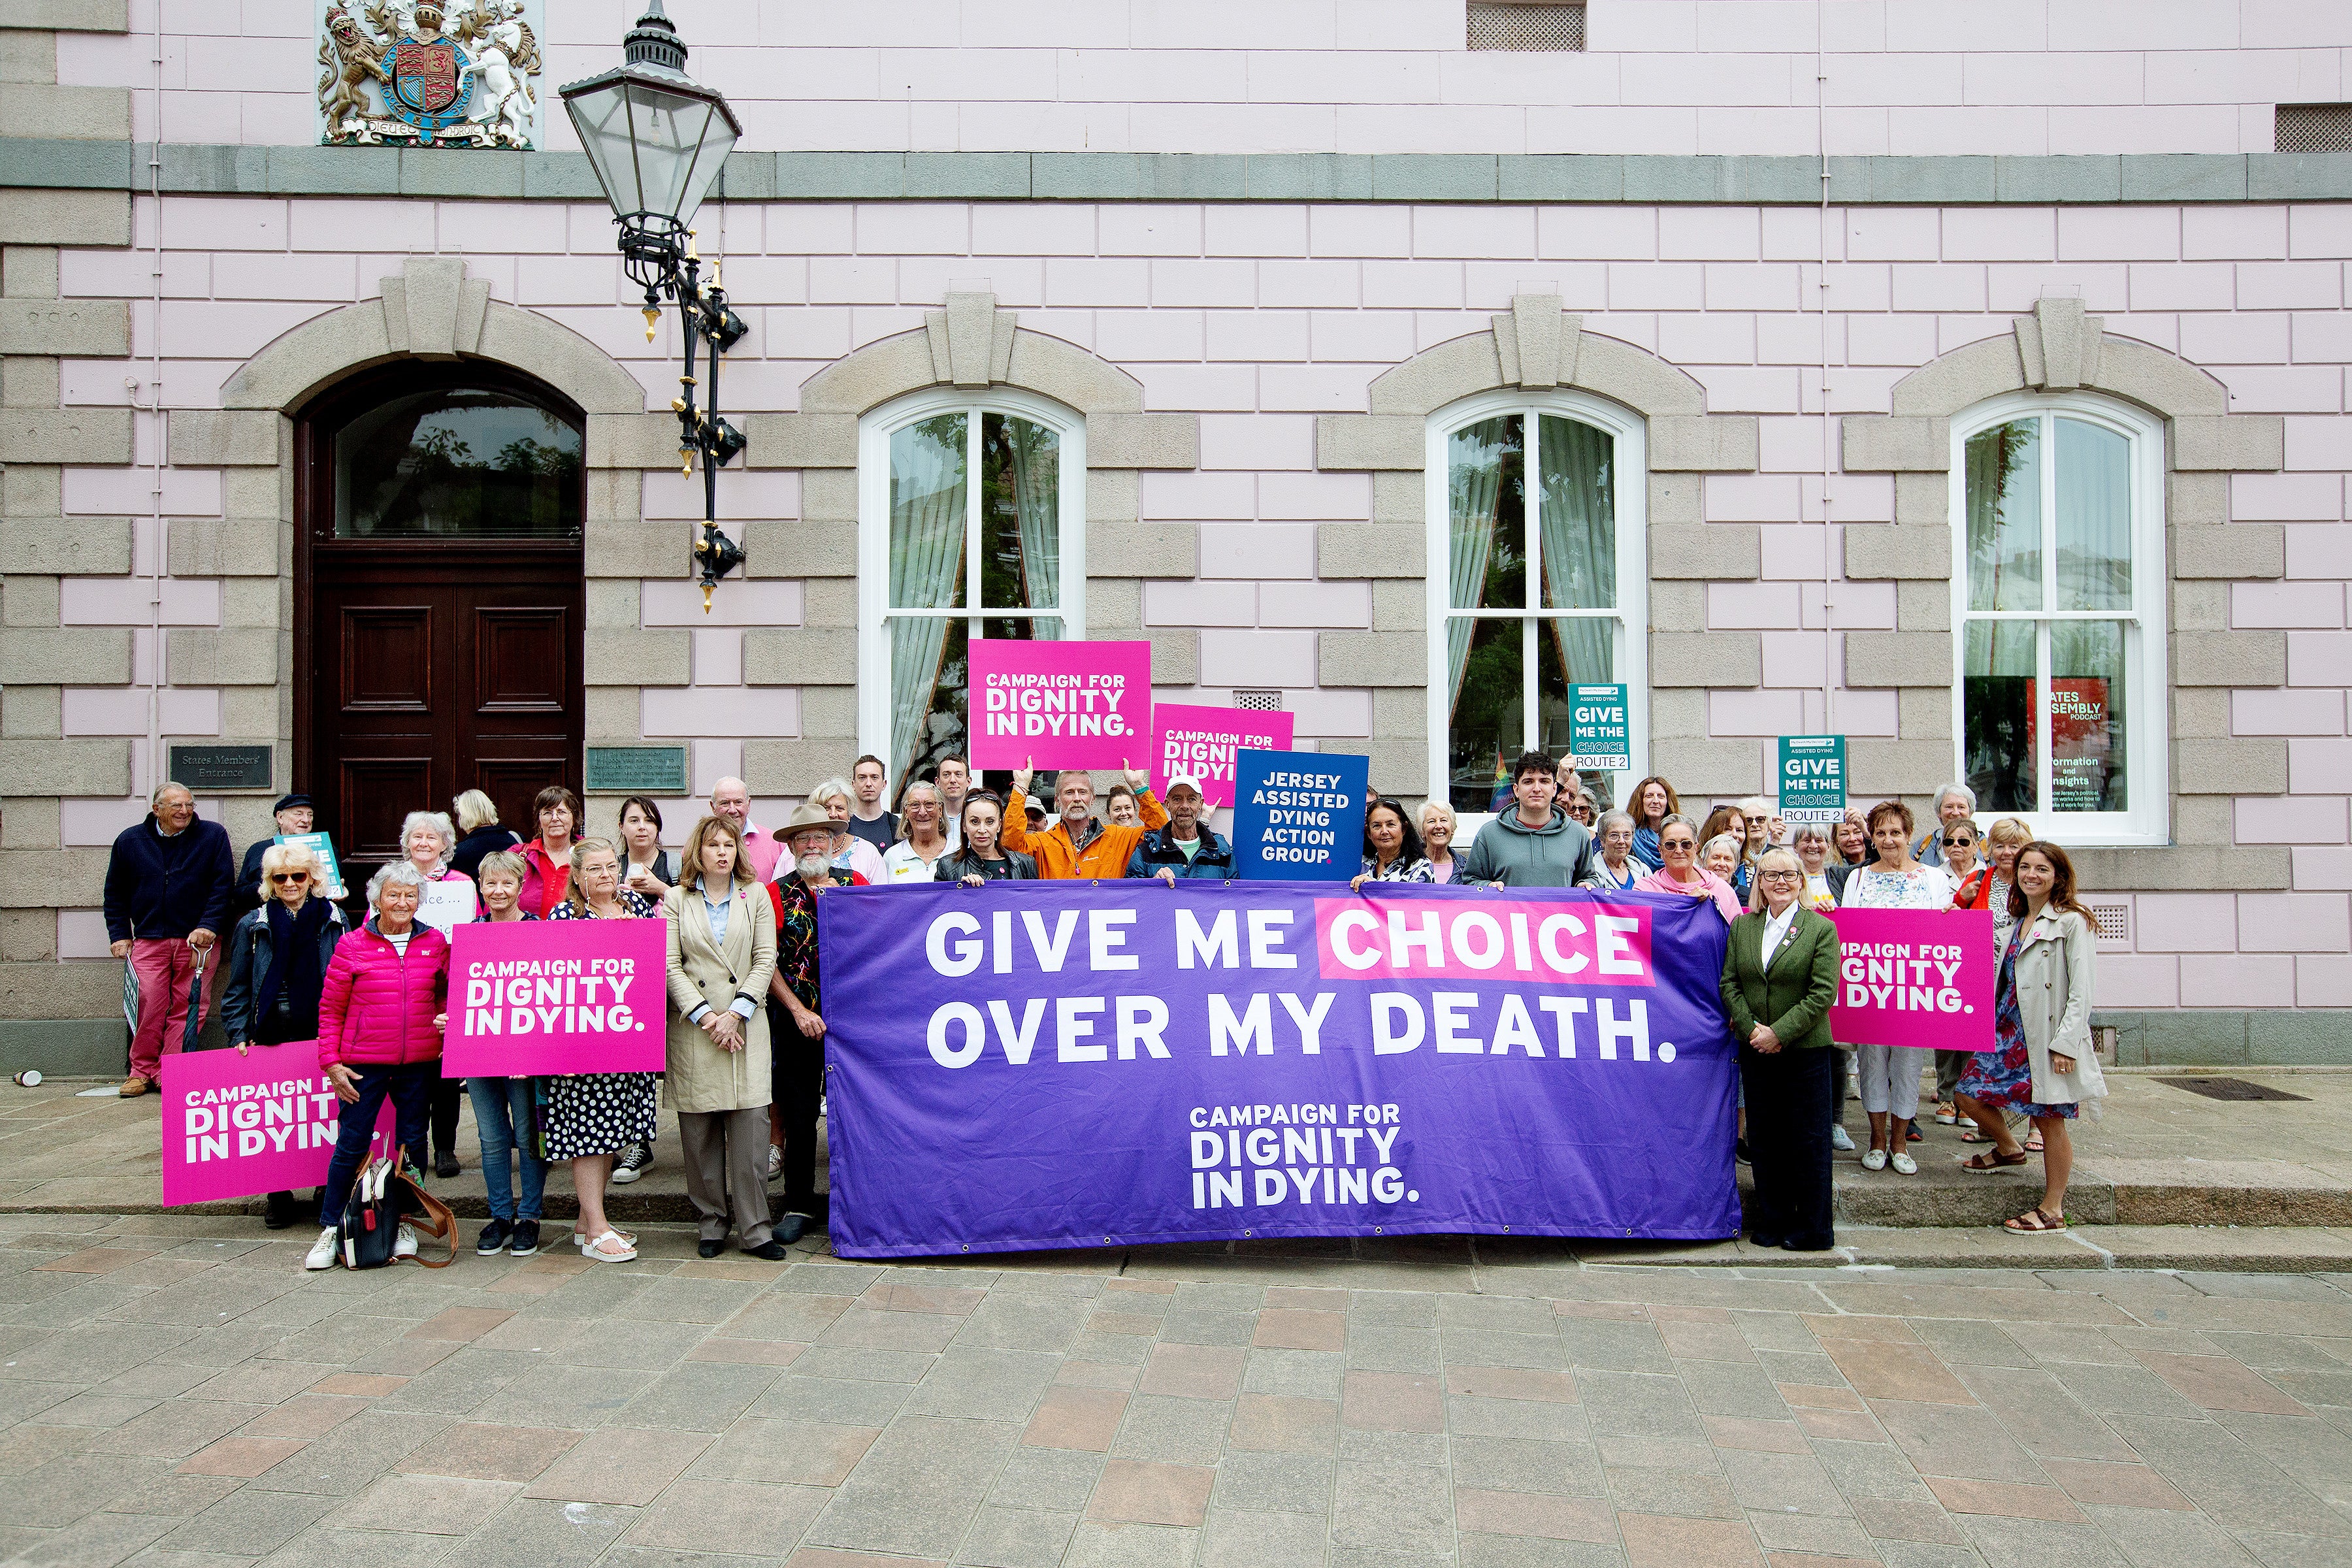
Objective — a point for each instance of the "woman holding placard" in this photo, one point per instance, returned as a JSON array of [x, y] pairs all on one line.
[[380, 1014], [1890, 1074], [278, 959], [2042, 1062], [592, 1116], [506, 1108], [1678, 846], [428, 839], [1391, 847], [722, 953]]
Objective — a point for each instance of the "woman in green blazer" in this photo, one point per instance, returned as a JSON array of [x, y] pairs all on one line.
[[1780, 978]]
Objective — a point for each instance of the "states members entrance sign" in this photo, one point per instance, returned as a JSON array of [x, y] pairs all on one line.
[[1060, 704], [1069, 1064], [532, 997]]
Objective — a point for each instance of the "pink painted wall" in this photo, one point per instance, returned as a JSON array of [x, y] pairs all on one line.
[[1362, 76], [1257, 318]]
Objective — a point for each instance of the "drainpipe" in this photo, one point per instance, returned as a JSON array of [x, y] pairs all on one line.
[[158, 428], [1832, 568]]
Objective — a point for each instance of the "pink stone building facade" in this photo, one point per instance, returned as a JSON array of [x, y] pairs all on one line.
[[1858, 315]]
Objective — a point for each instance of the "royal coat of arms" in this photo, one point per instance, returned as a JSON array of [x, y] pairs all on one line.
[[425, 73]]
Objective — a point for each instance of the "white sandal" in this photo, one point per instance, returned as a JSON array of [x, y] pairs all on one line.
[[583, 1241], [598, 1251]]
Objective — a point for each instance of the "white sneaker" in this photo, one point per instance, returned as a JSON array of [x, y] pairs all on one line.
[[324, 1252], [1905, 1164], [404, 1244], [1875, 1160], [1840, 1140]]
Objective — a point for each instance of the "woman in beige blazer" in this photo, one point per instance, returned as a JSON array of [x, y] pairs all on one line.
[[722, 951]]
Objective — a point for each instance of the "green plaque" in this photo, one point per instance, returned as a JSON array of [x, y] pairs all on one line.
[[205, 767], [636, 770], [1813, 778]]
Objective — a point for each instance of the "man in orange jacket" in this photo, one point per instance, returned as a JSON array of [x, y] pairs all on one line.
[[1077, 846]]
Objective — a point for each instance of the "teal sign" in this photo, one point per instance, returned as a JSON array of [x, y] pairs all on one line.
[[1813, 778], [1600, 729]]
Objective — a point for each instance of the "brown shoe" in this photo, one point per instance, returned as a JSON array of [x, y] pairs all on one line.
[[134, 1086]]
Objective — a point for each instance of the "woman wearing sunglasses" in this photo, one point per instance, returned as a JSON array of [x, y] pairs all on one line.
[[278, 959]]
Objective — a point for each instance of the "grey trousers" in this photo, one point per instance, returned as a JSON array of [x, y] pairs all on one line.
[[1949, 1064], [727, 1153]]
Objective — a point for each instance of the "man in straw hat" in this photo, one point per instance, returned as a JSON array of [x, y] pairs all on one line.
[[796, 1030]]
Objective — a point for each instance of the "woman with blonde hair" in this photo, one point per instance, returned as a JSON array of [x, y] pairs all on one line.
[[278, 959], [592, 1117], [447, 901], [923, 840], [722, 953], [478, 822]]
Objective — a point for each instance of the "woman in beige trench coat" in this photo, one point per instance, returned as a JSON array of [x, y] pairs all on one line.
[[722, 951]]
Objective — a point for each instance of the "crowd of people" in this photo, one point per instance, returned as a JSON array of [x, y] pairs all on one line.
[[745, 1042]]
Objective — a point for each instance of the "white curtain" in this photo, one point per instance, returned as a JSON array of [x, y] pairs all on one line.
[[1578, 518], [1474, 488], [927, 541], [2094, 517], [2004, 501], [1036, 454]]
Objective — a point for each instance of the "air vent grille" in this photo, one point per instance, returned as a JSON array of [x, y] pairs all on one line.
[[1263, 701], [2111, 921], [2300, 127], [1526, 27]]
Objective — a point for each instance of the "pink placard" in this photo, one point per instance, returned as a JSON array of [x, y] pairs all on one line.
[[238, 1126], [1060, 704], [1202, 741], [1915, 978], [533, 997], [1554, 944]]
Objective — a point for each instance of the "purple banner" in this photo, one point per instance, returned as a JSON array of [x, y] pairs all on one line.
[[1064, 1064]]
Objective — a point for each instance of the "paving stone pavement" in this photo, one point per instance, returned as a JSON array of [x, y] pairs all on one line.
[[177, 1390]]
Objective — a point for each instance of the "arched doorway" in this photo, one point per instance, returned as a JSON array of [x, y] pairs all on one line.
[[439, 596]]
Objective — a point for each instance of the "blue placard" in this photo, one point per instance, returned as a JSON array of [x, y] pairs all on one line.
[[1299, 816]]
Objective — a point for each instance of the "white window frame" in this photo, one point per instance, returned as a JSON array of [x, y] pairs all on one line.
[[1631, 467], [2148, 747], [873, 432]]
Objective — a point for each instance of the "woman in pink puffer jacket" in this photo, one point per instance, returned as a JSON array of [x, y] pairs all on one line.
[[380, 1019]]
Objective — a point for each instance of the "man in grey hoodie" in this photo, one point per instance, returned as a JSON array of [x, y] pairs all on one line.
[[1533, 846]]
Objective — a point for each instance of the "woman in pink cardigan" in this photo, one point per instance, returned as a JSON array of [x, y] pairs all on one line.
[[380, 1020]]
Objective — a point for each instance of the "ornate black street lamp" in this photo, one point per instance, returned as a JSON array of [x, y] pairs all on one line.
[[657, 141]]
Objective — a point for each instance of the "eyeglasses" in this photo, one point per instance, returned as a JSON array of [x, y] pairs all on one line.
[[290, 876], [1679, 844], [1780, 876]]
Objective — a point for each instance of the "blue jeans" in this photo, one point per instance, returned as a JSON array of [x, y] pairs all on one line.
[[411, 1089], [502, 1119]]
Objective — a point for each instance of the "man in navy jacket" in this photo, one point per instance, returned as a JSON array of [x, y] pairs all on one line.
[[167, 895], [1185, 847]]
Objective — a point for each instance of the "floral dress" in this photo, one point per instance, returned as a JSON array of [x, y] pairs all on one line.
[[598, 1112], [1398, 871], [2003, 1076]]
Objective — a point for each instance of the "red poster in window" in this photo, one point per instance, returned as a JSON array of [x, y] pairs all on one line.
[[2080, 740]]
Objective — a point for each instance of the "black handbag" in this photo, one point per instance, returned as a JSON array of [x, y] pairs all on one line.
[[382, 1195]]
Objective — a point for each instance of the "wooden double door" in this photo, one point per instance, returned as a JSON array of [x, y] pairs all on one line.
[[432, 673], [439, 599]]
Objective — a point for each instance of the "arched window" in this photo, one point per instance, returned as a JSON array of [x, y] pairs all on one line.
[[1535, 510], [971, 524], [2058, 589], [463, 460]]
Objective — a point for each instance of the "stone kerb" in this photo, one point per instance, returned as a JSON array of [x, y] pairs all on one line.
[[1537, 346], [2058, 349], [971, 344]]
